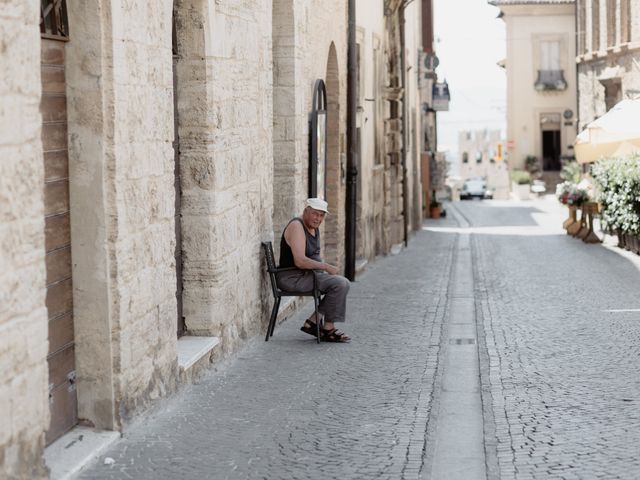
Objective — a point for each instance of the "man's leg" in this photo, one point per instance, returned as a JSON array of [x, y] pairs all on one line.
[[334, 303], [300, 281]]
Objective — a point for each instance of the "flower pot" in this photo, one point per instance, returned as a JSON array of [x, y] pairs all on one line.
[[575, 227], [590, 209], [572, 217], [521, 191], [635, 244], [434, 212], [621, 238]]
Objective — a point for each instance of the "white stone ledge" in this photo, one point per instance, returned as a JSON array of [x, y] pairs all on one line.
[[361, 264], [192, 349], [68, 455]]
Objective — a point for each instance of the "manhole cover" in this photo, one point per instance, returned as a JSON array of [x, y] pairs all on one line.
[[462, 341]]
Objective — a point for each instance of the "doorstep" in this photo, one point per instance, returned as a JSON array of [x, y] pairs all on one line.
[[68, 455], [361, 264], [194, 354]]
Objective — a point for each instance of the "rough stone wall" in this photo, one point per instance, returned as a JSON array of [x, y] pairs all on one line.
[[144, 242], [323, 24], [370, 35], [227, 175], [620, 62], [413, 45], [288, 143], [303, 33], [119, 86], [23, 317]]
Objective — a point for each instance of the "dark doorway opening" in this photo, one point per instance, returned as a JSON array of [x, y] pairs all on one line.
[[551, 150]]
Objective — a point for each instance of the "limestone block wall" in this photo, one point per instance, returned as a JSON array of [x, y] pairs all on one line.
[[120, 107], [289, 148], [413, 45], [309, 43], [322, 32], [144, 201], [23, 317], [227, 160], [370, 36], [596, 62]]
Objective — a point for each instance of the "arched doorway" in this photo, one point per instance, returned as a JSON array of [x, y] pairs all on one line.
[[334, 246]]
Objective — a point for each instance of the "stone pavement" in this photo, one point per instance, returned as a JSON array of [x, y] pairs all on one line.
[[292, 409], [557, 325], [560, 325]]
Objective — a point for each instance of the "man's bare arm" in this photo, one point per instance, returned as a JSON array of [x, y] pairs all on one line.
[[295, 237]]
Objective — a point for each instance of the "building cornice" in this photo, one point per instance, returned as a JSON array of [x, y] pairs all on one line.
[[611, 52]]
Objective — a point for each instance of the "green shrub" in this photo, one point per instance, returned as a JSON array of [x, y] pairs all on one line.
[[618, 186], [520, 177], [532, 164], [571, 172]]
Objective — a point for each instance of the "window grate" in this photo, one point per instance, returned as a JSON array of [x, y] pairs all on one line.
[[53, 18]]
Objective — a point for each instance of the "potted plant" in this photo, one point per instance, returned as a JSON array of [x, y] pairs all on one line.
[[520, 184], [618, 182], [435, 209], [562, 194]]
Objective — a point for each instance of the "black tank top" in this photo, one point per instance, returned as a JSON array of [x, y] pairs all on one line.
[[312, 248]]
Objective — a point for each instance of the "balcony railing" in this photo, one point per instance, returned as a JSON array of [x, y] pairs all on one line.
[[550, 80]]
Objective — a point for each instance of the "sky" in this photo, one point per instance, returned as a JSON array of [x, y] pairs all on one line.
[[469, 41]]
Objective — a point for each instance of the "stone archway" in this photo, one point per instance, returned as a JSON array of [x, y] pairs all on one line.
[[333, 234]]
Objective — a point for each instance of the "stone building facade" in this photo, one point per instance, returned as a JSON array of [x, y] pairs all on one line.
[[389, 124], [541, 81], [608, 55], [147, 151], [482, 156], [23, 315]]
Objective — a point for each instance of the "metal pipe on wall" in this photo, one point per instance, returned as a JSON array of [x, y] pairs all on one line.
[[352, 146]]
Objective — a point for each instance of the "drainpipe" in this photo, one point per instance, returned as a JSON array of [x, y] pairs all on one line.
[[352, 152], [405, 142], [578, 28]]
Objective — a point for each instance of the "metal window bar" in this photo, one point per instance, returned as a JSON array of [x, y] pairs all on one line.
[[53, 18]]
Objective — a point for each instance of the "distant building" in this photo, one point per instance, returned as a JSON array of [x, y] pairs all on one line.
[[608, 55], [482, 155], [541, 80]]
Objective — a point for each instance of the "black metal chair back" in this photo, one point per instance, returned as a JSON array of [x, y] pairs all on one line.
[[278, 293]]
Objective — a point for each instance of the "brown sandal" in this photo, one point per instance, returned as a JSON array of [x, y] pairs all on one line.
[[311, 329], [334, 335]]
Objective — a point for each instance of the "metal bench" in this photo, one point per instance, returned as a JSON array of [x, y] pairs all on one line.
[[278, 293]]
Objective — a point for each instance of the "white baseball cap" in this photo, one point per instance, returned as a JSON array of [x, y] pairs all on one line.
[[317, 204]]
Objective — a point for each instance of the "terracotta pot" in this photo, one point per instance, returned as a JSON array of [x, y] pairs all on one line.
[[575, 227], [434, 212]]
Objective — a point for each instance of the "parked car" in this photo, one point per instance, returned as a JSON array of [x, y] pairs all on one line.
[[475, 187]]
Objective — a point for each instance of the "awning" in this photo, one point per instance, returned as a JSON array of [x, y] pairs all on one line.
[[616, 133]]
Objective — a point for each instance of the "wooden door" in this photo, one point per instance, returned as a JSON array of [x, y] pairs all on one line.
[[61, 357]]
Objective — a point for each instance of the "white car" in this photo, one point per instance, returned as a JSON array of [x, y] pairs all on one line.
[[475, 187]]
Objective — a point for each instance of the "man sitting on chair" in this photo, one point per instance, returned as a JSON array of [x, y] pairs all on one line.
[[300, 247]]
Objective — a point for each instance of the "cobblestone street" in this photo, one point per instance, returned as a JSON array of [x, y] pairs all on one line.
[[558, 335]]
